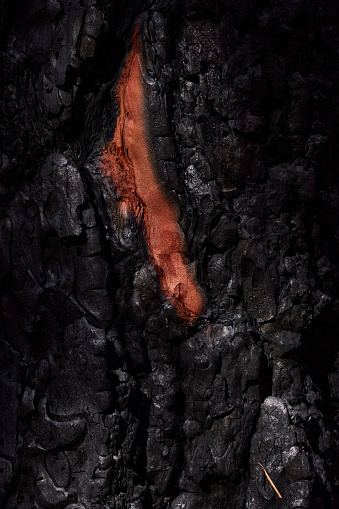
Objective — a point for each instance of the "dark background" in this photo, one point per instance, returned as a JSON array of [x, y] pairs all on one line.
[[107, 399]]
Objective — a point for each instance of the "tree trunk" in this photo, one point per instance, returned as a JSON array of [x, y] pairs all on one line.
[[116, 391]]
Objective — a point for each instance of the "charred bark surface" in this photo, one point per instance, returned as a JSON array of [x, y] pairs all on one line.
[[108, 399]]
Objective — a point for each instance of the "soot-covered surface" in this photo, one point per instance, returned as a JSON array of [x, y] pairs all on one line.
[[109, 398]]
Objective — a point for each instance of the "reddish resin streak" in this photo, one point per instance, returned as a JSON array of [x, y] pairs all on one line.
[[127, 161]]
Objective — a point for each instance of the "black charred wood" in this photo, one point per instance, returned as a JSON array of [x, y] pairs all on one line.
[[107, 400]]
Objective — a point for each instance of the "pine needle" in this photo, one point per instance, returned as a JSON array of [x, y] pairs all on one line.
[[270, 480]]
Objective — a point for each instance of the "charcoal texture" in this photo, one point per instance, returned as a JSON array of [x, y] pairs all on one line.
[[107, 399]]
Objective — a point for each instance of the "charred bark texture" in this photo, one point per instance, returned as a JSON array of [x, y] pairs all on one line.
[[108, 399]]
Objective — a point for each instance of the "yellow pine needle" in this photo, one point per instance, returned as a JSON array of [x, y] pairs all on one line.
[[270, 480]]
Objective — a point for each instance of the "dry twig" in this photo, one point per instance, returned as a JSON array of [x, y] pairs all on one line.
[[270, 480]]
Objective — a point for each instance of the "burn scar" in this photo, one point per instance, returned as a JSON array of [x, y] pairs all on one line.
[[127, 161]]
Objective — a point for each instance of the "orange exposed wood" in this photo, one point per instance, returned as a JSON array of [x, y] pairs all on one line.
[[127, 161]]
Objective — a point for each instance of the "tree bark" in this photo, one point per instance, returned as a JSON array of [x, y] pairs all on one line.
[[110, 396]]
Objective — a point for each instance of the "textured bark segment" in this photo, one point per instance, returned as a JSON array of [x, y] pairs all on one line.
[[105, 399], [127, 161]]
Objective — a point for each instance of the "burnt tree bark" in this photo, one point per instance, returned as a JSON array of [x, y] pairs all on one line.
[[108, 399]]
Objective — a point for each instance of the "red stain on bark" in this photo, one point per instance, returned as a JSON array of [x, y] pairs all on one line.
[[127, 161]]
